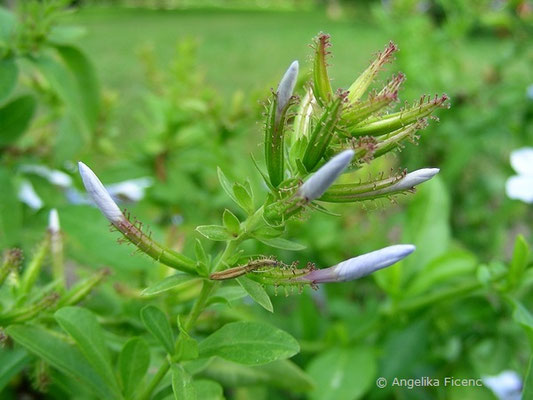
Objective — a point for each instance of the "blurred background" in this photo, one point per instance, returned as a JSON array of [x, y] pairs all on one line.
[[162, 92]]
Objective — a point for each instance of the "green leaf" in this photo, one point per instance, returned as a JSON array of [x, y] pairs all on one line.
[[244, 198], [68, 90], [281, 243], [170, 282], [60, 355], [283, 374], [215, 232], [10, 211], [187, 348], [256, 292], [12, 361], [133, 363], [85, 80], [15, 118], [527, 391], [226, 185], [519, 261], [182, 384], [342, 374], [157, 324], [208, 390], [8, 77], [82, 325], [231, 222], [522, 316], [250, 343]]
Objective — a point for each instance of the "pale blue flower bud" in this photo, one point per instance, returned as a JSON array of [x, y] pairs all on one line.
[[286, 86], [317, 184], [99, 195], [360, 266]]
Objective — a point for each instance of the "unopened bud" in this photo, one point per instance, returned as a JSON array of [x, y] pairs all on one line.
[[360, 266], [322, 179], [99, 195], [286, 86]]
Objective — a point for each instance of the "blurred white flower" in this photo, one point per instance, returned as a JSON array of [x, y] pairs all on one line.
[[506, 386], [54, 176], [520, 187], [28, 196], [131, 190]]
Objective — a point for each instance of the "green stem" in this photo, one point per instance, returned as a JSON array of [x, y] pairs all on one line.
[[199, 305], [32, 272], [155, 381]]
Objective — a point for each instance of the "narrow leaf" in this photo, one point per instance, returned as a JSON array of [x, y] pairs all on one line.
[[133, 363], [82, 325], [519, 261], [256, 292], [59, 354], [215, 232], [281, 243], [170, 282], [250, 343], [231, 222], [15, 117], [157, 324], [182, 384]]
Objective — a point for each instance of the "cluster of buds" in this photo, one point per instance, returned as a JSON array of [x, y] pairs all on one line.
[[305, 153]]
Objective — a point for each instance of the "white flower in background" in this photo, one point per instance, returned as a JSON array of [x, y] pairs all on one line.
[[54, 176], [28, 196], [506, 386], [520, 187], [131, 190]]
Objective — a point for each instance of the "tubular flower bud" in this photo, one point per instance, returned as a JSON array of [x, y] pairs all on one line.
[[322, 179], [321, 83], [322, 134], [361, 84], [100, 195], [274, 141], [56, 246], [394, 121], [348, 193], [360, 111], [132, 232], [53, 221], [359, 266], [286, 86]]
